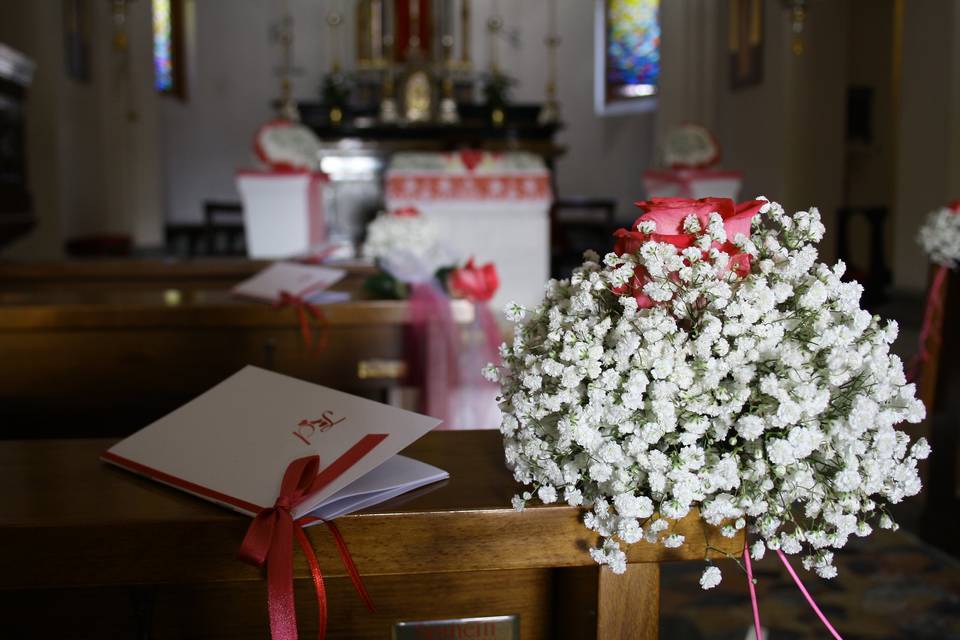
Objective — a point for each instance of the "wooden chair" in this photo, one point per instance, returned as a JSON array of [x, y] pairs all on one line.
[[223, 228], [183, 240], [576, 224]]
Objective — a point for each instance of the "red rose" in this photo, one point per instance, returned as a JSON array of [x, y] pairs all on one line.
[[635, 288], [669, 215], [954, 206], [477, 284]]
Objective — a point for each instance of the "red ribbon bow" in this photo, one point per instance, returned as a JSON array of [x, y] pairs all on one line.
[[305, 311], [269, 540]]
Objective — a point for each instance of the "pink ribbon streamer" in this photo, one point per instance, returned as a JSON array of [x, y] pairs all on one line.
[[806, 594], [932, 323], [757, 629], [491, 332], [434, 344], [793, 574], [442, 362]]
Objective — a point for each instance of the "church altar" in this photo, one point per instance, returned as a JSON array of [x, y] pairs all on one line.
[[122, 556], [488, 205], [406, 82]]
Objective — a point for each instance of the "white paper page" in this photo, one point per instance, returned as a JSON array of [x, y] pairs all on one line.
[[297, 279], [396, 476], [238, 438]]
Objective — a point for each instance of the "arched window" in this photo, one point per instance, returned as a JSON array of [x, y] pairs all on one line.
[[168, 47], [627, 69]]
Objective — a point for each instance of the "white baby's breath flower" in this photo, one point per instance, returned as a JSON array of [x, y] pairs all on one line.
[[515, 312], [711, 577], [673, 541], [940, 236], [388, 234], [756, 391]]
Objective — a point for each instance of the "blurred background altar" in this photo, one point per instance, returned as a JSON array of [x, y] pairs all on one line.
[[139, 113]]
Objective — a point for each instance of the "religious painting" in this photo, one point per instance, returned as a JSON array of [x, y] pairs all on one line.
[[76, 39], [168, 47], [746, 43], [629, 62]]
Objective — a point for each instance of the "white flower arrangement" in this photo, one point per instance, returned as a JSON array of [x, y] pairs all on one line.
[[407, 246], [402, 231], [736, 375], [940, 235]]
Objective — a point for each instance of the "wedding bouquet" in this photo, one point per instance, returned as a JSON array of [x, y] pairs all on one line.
[[710, 362], [940, 235], [408, 249]]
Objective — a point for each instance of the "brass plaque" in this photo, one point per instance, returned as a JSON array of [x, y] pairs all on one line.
[[489, 628], [381, 369]]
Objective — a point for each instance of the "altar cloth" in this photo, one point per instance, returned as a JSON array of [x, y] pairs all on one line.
[[494, 207]]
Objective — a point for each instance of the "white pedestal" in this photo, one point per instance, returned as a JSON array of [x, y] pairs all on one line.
[[282, 212]]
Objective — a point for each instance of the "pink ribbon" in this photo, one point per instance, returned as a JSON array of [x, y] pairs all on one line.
[[432, 346], [932, 323], [758, 632], [442, 362]]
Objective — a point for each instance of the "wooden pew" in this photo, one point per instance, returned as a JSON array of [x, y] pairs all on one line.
[[91, 551], [139, 274], [106, 362]]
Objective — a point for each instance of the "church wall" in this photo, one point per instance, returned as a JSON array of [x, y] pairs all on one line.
[[816, 116], [21, 28], [871, 165], [787, 133], [232, 81], [750, 120], [927, 165], [92, 149]]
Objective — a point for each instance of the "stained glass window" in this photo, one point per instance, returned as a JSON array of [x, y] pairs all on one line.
[[631, 53], [162, 45]]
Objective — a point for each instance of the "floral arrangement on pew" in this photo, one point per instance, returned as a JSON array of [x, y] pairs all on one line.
[[407, 248], [414, 265], [939, 237], [711, 362]]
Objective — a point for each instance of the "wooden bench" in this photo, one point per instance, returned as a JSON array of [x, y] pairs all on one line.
[[91, 551], [139, 274], [95, 362]]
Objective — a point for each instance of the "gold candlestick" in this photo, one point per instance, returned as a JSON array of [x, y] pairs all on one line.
[[550, 112]]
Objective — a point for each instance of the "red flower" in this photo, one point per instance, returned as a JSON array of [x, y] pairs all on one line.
[[477, 284], [635, 288], [954, 206], [406, 212], [669, 215]]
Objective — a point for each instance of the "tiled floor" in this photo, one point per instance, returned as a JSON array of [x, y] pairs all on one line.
[[891, 585]]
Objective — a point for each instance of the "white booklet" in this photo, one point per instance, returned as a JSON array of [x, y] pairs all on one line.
[[233, 444], [309, 282]]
